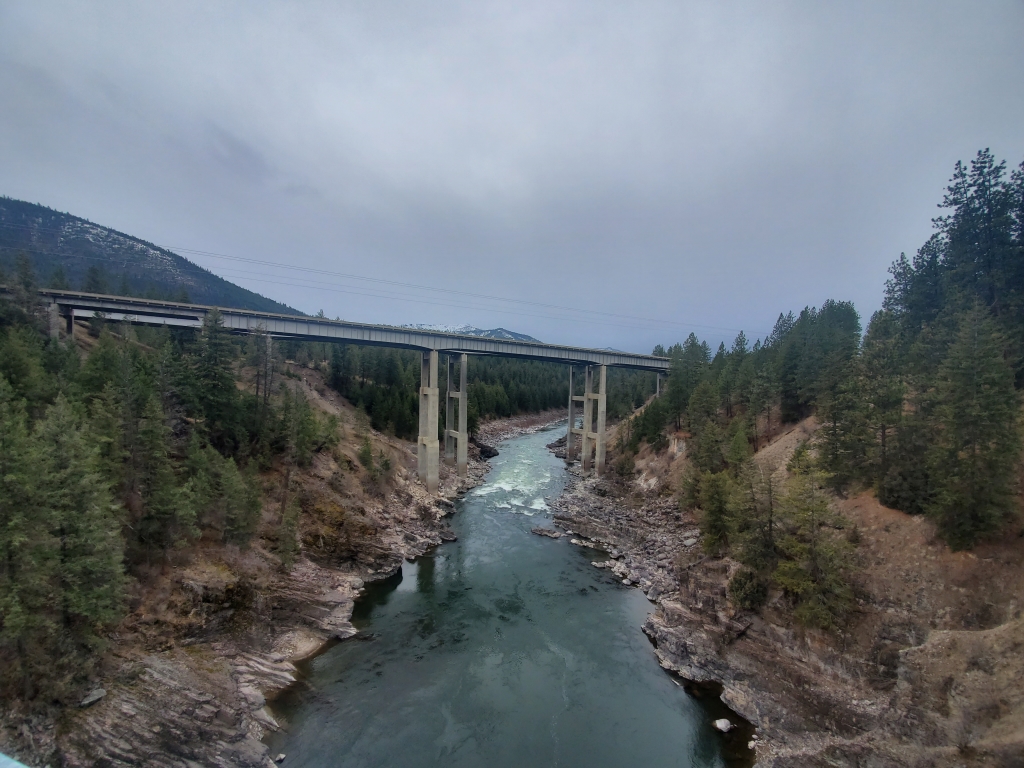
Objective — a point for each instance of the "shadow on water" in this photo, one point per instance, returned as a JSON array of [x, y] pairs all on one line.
[[501, 649]]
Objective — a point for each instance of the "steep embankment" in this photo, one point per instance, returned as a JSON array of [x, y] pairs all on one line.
[[928, 671], [215, 631]]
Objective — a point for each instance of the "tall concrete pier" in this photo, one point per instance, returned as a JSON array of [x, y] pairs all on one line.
[[456, 440], [428, 459], [595, 404]]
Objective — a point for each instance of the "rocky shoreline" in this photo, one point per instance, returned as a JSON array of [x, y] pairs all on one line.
[[498, 430], [187, 680], [918, 678]]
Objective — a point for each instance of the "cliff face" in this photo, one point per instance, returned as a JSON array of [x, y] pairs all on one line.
[[929, 670]]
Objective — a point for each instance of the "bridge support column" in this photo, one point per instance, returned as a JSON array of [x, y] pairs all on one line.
[[450, 435], [429, 471], [602, 414], [657, 386], [571, 431], [587, 447], [456, 436], [70, 318], [53, 315], [594, 404], [462, 449]]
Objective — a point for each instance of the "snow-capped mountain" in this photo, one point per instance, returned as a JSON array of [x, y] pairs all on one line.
[[469, 330]]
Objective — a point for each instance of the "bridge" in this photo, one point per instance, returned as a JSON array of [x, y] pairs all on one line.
[[67, 305]]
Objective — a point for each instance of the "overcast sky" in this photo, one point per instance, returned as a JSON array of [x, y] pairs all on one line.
[[699, 166]]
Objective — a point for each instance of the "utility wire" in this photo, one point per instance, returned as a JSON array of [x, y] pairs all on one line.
[[349, 276], [278, 280]]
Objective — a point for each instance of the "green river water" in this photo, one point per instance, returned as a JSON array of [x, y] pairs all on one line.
[[501, 649]]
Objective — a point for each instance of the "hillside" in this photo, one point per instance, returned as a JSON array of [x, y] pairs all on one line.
[[120, 263], [232, 544], [925, 669]]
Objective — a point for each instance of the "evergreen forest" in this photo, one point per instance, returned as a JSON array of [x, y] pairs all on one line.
[[923, 406]]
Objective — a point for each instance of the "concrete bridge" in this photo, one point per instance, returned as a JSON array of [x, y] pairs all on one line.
[[67, 305]]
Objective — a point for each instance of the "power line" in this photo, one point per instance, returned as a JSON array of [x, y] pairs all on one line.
[[278, 280], [414, 286]]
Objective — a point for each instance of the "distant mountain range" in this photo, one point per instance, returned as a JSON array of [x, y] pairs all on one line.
[[469, 330], [122, 263]]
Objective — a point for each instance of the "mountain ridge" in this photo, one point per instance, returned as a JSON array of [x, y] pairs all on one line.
[[81, 250], [472, 330]]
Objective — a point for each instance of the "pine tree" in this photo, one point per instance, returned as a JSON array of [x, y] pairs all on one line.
[[28, 552], [754, 535], [95, 280], [715, 495], [84, 521], [979, 441], [703, 406], [213, 386], [738, 452], [843, 438], [59, 280], [165, 516], [813, 572], [708, 455], [883, 390]]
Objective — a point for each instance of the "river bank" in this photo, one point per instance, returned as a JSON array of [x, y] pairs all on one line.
[[213, 636], [497, 430], [923, 675]]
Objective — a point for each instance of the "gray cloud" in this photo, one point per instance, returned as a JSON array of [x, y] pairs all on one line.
[[705, 164]]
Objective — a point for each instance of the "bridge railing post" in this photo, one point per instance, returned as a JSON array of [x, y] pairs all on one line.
[[429, 471]]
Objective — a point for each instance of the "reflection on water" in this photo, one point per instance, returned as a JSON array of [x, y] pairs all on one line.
[[500, 649]]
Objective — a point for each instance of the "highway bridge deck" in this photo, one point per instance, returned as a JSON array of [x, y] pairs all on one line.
[[152, 312]]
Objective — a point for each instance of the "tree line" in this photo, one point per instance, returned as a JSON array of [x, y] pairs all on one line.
[[924, 407]]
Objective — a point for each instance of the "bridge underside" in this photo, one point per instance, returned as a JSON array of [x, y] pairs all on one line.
[[66, 305]]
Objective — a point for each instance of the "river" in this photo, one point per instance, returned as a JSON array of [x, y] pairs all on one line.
[[501, 649]]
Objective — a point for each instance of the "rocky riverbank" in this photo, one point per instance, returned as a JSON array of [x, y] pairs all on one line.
[[494, 431], [924, 675], [186, 678]]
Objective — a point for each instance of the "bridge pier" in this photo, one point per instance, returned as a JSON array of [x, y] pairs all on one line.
[[592, 448], [427, 465], [53, 315], [456, 441], [571, 431]]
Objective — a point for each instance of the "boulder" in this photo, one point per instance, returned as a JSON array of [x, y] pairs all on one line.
[[551, 533], [486, 451], [92, 697]]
